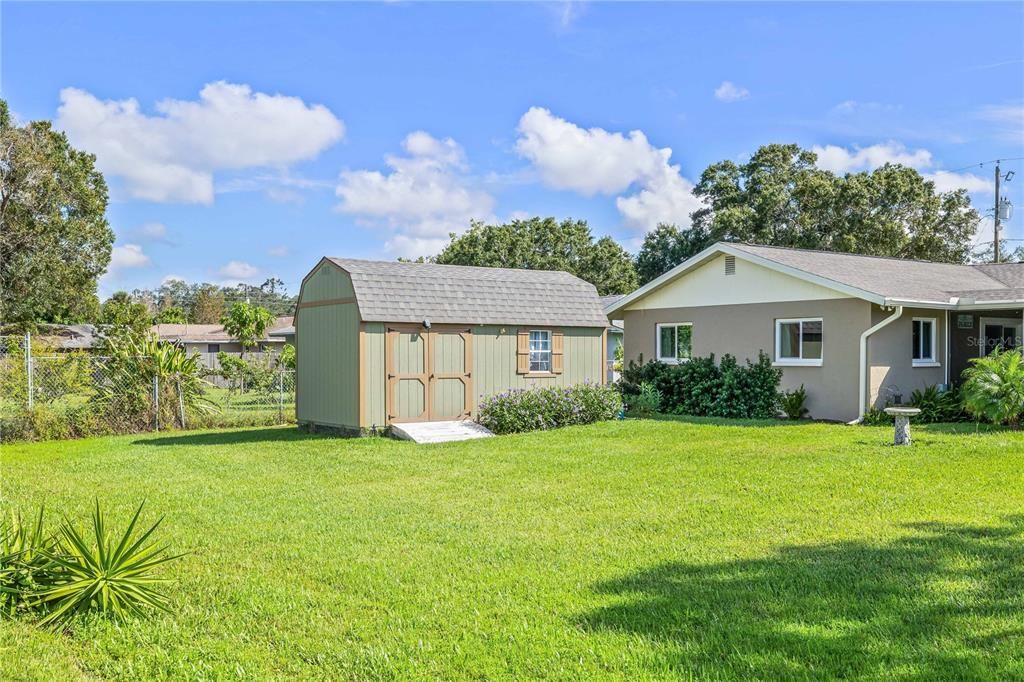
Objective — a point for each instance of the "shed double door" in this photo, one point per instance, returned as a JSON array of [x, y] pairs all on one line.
[[429, 373]]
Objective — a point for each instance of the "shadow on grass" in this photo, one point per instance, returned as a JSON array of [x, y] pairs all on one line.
[[943, 602], [280, 434]]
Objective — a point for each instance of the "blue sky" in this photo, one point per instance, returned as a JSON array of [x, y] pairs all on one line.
[[247, 140]]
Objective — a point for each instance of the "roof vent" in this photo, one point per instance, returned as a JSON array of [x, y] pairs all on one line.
[[730, 265]]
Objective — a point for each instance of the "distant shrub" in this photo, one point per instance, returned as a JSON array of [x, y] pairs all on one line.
[[537, 409], [646, 403], [794, 403], [704, 388], [876, 416]]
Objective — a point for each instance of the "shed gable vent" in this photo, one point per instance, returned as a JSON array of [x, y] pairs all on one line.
[[730, 265]]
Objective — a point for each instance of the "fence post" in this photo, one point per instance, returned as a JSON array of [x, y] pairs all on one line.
[[280, 396], [156, 402], [181, 403], [28, 368]]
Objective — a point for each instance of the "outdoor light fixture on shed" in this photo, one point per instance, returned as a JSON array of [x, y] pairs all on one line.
[[426, 323]]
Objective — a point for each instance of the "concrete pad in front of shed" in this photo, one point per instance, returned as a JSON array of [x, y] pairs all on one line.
[[439, 432]]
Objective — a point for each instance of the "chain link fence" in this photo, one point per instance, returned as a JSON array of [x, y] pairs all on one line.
[[46, 396]]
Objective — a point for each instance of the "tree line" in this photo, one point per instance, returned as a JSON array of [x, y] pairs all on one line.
[[55, 241]]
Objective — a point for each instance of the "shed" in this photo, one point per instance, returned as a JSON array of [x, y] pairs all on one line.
[[388, 342]]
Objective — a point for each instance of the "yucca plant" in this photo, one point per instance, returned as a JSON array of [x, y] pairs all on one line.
[[25, 566], [112, 574], [993, 387]]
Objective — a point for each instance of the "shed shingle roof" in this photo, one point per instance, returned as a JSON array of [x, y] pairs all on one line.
[[459, 294]]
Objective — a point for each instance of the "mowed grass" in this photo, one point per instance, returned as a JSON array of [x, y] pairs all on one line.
[[635, 550]]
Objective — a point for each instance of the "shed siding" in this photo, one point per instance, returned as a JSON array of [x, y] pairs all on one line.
[[373, 372], [326, 282], [328, 352], [494, 360]]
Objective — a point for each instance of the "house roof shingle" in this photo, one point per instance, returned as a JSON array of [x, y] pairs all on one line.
[[459, 294], [210, 333], [898, 278]]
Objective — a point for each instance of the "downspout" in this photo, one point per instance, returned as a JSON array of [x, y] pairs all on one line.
[[862, 394]]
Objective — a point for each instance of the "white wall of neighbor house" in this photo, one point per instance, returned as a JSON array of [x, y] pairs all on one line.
[[708, 285]]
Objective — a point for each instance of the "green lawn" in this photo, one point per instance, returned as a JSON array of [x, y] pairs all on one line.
[[642, 549]]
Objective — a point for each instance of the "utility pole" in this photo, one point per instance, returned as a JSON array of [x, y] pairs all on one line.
[[995, 231]]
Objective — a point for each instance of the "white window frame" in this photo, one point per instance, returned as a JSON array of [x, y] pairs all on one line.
[[657, 342], [932, 361], [799, 361], [550, 352]]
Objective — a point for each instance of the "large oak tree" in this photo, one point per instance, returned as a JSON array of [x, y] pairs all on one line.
[[54, 237], [779, 197], [545, 244]]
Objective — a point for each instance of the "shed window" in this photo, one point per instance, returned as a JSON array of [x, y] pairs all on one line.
[[540, 350], [675, 342], [213, 348], [799, 342], [923, 339]]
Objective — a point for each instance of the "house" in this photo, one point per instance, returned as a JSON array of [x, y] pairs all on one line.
[[386, 342], [212, 338], [615, 332], [855, 331]]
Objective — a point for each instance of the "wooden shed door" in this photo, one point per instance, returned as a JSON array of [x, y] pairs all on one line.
[[451, 382], [428, 374]]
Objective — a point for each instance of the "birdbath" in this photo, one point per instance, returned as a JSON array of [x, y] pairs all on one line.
[[902, 415]]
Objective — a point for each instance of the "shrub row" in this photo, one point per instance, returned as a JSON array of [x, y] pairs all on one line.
[[537, 409], [705, 388]]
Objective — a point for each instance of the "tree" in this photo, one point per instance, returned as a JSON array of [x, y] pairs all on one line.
[[248, 323], [121, 311], [545, 244], [54, 238], [208, 305], [171, 315], [666, 247], [781, 198]]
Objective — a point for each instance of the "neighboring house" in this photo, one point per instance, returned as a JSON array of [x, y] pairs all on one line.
[[69, 337], [856, 331], [381, 343], [614, 334], [213, 339]]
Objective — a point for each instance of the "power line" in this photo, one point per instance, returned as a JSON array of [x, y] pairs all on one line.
[[982, 163]]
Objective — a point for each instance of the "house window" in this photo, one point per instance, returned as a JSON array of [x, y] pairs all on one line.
[[923, 353], [798, 342], [213, 348], [675, 342], [540, 351]]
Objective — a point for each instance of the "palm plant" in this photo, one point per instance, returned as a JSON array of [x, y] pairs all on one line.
[[993, 387], [113, 574]]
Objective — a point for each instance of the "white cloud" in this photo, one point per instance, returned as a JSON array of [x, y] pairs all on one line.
[[127, 256], [730, 92], [596, 161], [842, 160], [278, 251], [1009, 118], [173, 156], [237, 270], [424, 196]]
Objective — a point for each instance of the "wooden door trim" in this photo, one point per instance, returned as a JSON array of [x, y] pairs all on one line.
[[391, 333]]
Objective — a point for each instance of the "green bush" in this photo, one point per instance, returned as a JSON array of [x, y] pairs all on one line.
[[704, 388], [993, 387], [646, 403], [794, 403], [536, 409], [938, 406]]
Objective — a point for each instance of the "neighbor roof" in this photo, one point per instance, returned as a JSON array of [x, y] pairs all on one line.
[[211, 333], [460, 294], [886, 281]]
